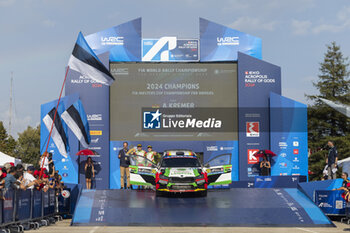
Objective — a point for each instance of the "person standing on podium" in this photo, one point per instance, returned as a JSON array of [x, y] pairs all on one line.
[[265, 166], [124, 166]]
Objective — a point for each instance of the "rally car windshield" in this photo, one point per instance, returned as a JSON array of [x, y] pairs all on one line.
[[180, 162]]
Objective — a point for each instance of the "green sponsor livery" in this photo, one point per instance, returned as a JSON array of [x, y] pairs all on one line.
[[134, 169], [221, 182], [227, 168], [167, 171], [196, 173], [140, 183]]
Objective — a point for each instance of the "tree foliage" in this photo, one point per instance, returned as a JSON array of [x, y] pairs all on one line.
[[28, 145], [325, 123], [7, 142]]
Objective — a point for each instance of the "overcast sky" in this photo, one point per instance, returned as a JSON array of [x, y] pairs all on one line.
[[37, 37]]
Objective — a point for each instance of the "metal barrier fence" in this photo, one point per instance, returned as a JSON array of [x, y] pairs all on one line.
[[29, 209]]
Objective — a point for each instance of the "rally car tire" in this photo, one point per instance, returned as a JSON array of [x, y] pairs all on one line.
[[203, 193], [158, 193]]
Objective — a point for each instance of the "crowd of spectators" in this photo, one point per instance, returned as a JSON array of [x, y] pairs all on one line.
[[42, 177]]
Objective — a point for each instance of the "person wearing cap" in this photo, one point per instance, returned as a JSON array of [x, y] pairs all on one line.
[[140, 152], [7, 166], [150, 153], [10, 179], [29, 178]]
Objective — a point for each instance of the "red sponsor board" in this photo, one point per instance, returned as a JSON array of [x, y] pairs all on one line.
[[251, 156], [252, 129]]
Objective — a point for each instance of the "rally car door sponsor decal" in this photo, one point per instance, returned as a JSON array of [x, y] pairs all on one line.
[[219, 170], [142, 170]]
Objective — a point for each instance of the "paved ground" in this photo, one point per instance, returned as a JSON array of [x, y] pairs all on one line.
[[64, 226]]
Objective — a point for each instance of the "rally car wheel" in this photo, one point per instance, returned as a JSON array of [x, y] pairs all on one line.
[[158, 193], [203, 193]]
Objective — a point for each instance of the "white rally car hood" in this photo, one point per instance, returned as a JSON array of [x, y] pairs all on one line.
[[182, 172]]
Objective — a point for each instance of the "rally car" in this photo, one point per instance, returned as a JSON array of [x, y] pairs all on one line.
[[180, 171]]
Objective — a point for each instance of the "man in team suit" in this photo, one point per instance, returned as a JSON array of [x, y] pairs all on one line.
[[124, 166]]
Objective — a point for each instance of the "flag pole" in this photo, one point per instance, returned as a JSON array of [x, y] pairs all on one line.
[[53, 122]]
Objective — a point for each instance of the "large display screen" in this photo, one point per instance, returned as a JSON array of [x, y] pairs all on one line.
[[173, 102]]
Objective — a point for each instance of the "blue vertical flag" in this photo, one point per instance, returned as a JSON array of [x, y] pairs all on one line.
[[75, 118], [85, 61]]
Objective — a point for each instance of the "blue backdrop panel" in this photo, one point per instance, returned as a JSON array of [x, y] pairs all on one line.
[[220, 43], [95, 99], [67, 167], [123, 42], [179, 50], [209, 149], [256, 79], [288, 136], [230, 207]]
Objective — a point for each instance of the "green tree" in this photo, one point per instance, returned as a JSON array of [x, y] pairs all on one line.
[[324, 123], [28, 145], [7, 143]]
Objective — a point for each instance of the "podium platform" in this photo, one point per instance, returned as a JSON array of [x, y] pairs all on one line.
[[226, 207]]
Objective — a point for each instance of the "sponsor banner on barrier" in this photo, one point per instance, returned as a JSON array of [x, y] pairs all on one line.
[[288, 124], [122, 42], [220, 43], [253, 105], [170, 49], [330, 202]]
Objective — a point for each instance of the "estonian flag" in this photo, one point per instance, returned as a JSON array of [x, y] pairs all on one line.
[[76, 120], [85, 61], [342, 108], [58, 134]]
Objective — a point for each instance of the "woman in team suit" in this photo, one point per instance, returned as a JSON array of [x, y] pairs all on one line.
[[89, 172]]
